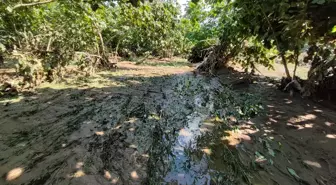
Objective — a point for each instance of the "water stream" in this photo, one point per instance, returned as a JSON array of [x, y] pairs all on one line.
[[185, 169], [189, 149]]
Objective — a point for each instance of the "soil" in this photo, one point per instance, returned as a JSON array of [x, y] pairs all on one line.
[[158, 125]]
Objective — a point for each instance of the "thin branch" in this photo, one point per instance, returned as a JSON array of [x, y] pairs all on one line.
[[32, 4]]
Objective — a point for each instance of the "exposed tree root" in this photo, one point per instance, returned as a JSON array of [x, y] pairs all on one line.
[[214, 60]]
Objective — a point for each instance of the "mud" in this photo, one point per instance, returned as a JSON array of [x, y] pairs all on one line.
[[164, 125]]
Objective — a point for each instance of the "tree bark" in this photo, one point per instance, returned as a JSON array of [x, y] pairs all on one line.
[[296, 62], [284, 62]]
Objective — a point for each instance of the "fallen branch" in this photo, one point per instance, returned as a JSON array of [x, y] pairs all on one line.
[[293, 84], [89, 54]]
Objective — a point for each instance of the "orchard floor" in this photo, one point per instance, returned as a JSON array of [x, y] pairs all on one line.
[[154, 124]]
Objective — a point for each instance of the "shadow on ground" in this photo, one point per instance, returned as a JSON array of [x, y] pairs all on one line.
[[148, 127]]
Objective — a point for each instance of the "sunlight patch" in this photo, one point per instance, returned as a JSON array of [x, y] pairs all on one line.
[[331, 136], [289, 102], [100, 133], [79, 165], [184, 132], [207, 151], [13, 100], [234, 138], [329, 124], [307, 117], [79, 173], [107, 175], [309, 125], [145, 155], [134, 175], [115, 181], [14, 174], [203, 130], [133, 146], [312, 163]]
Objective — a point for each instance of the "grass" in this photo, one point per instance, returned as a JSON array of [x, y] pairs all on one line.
[[173, 63], [169, 62], [279, 70]]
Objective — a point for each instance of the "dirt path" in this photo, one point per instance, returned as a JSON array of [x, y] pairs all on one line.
[[152, 125], [302, 135]]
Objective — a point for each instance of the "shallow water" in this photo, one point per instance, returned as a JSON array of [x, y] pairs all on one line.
[[183, 167]]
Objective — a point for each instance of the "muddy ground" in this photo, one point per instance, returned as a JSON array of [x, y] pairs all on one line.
[[146, 124]]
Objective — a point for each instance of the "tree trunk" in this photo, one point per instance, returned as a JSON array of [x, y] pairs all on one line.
[[284, 62], [1, 60], [296, 62], [104, 60]]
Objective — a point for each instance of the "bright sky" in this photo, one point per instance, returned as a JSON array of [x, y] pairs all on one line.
[[183, 4]]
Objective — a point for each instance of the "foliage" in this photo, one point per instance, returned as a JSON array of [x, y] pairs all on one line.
[[150, 27], [248, 32], [241, 106], [258, 31], [252, 53], [322, 73], [47, 36], [52, 32]]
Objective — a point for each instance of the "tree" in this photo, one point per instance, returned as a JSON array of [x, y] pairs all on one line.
[[251, 28]]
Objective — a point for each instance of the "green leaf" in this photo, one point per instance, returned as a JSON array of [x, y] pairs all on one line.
[[259, 157], [333, 29], [2, 48], [293, 173], [258, 154]]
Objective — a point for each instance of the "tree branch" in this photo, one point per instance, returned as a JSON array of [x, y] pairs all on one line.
[[32, 4]]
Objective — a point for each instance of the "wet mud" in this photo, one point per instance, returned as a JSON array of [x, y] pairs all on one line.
[[163, 125]]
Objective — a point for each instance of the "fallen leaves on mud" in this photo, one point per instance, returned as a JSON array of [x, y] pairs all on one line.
[[151, 129]]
